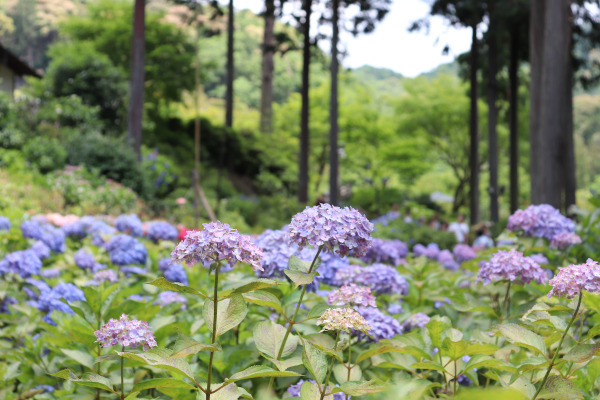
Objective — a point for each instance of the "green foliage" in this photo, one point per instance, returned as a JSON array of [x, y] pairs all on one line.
[[46, 154], [415, 233]]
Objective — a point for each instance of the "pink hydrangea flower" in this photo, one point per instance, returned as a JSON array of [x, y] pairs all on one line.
[[125, 332], [352, 295], [573, 279], [342, 319], [511, 265], [565, 239]]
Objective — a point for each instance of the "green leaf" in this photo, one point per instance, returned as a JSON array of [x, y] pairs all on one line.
[[341, 373], [93, 298], [436, 327], [229, 392], [454, 350], [428, 365], [108, 295], [162, 283], [162, 383], [284, 365], [161, 358], [379, 349], [85, 359], [324, 343], [557, 387], [230, 313], [317, 310], [300, 278], [582, 352], [107, 357], [360, 388], [185, 346], [482, 361], [248, 285], [89, 379], [309, 391], [259, 371], [296, 264], [265, 299], [315, 362], [523, 337], [268, 337]]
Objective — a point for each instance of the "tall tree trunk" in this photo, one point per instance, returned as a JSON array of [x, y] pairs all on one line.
[[230, 71], [492, 120], [333, 109], [569, 145], [536, 139], [136, 96], [474, 131], [304, 115], [513, 78], [266, 95]]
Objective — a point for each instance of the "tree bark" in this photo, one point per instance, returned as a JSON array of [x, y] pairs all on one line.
[[474, 131], [333, 109], [513, 78], [492, 120], [569, 145], [230, 70], [136, 96], [536, 139], [266, 96], [304, 112]]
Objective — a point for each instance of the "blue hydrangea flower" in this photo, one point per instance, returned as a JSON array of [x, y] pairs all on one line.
[[446, 258], [53, 237], [380, 278], [395, 309], [48, 299], [50, 273], [415, 321], [138, 297], [75, 229], [294, 391], [5, 302], [463, 252], [176, 273], [129, 224], [541, 220], [126, 250], [84, 260], [23, 263], [41, 250], [168, 297], [4, 224], [45, 388], [132, 269], [165, 263], [382, 326], [161, 230], [386, 252]]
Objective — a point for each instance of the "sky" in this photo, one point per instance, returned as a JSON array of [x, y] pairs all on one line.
[[392, 46]]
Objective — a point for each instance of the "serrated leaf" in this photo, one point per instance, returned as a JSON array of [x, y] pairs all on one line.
[[265, 299], [428, 365], [324, 343], [107, 357], [230, 313], [259, 371], [310, 391], [248, 285], [160, 358], [559, 388], [523, 337], [185, 346], [436, 327], [300, 278], [315, 362], [454, 350], [582, 352], [162, 283], [161, 383], [268, 337]]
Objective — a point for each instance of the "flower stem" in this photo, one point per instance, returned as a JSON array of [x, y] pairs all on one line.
[[350, 366], [505, 302], [337, 336], [122, 385], [214, 331], [558, 348]]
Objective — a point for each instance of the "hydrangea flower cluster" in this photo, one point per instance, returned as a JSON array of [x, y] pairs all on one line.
[[161, 230], [4, 224], [511, 265], [125, 332], [395, 309], [386, 218], [75, 229], [432, 250], [105, 275], [571, 280], [381, 326], [48, 299], [386, 252], [344, 229], [539, 258], [5, 302], [277, 251], [176, 273], [84, 260], [415, 321], [168, 297], [380, 278], [52, 237], [23, 263], [342, 319], [50, 273], [41, 250], [564, 239], [129, 224], [352, 295], [540, 221], [217, 242], [463, 252], [133, 269], [125, 250], [446, 258]]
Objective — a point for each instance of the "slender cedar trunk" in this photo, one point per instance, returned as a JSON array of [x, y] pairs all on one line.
[[569, 146], [304, 116], [536, 50], [333, 110], [229, 89], [513, 118], [136, 97], [474, 131], [266, 95], [492, 121]]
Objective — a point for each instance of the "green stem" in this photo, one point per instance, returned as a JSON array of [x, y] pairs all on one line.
[[214, 330], [455, 379], [444, 371], [350, 366], [122, 384], [558, 348], [505, 302], [337, 336]]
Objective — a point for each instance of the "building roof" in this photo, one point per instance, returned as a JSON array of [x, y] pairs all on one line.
[[13, 62]]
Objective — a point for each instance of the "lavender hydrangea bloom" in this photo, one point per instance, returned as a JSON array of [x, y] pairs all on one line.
[[540, 259], [4, 224], [217, 242], [344, 229], [53, 237], [382, 326], [380, 278], [125, 250], [446, 258], [23, 263], [129, 224], [395, 309], [138, 297], [45, 388], [75, 229], [571, 280], [431, 251], [176, 273], [105, 275], [41, 250], [386, 251], [50, 273], [84, 260], [342, 319], [463, 252], [415, 321], [69, 292], [48, 299], [168, 297], [565, 239], [352, 295], [165, 263], [126, 332], [97, 229], [161, 230], [132, 269], [511, 265], [540, 221]]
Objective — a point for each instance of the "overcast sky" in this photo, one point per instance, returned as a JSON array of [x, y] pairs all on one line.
[[392, 46]]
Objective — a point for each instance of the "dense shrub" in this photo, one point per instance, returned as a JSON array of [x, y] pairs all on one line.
[[46, 154], [415, 233]]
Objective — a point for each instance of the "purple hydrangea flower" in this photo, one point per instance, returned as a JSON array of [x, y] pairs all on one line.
[[571, 280], [137, 297], [415, 321], [53, 237], [5, 302], [540, 259], [540, 221], [395, 309], [125, 250], [105, 275], [75, 229], [386, 252], [41, 250], [45, 388], [48, 299], [133, 270], [129, 224], [84, 260], [161, 230], [50, 273], [23, 263], [176, 273], [382, 326], [431, 251], [380, 278], [564, 239], [463, 252], [446, 258], [344, 229], [125, 332], [168, 297], [217, 242], [511, 265], [4, 224], [352, 295], [440, 304], [164, 264]]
